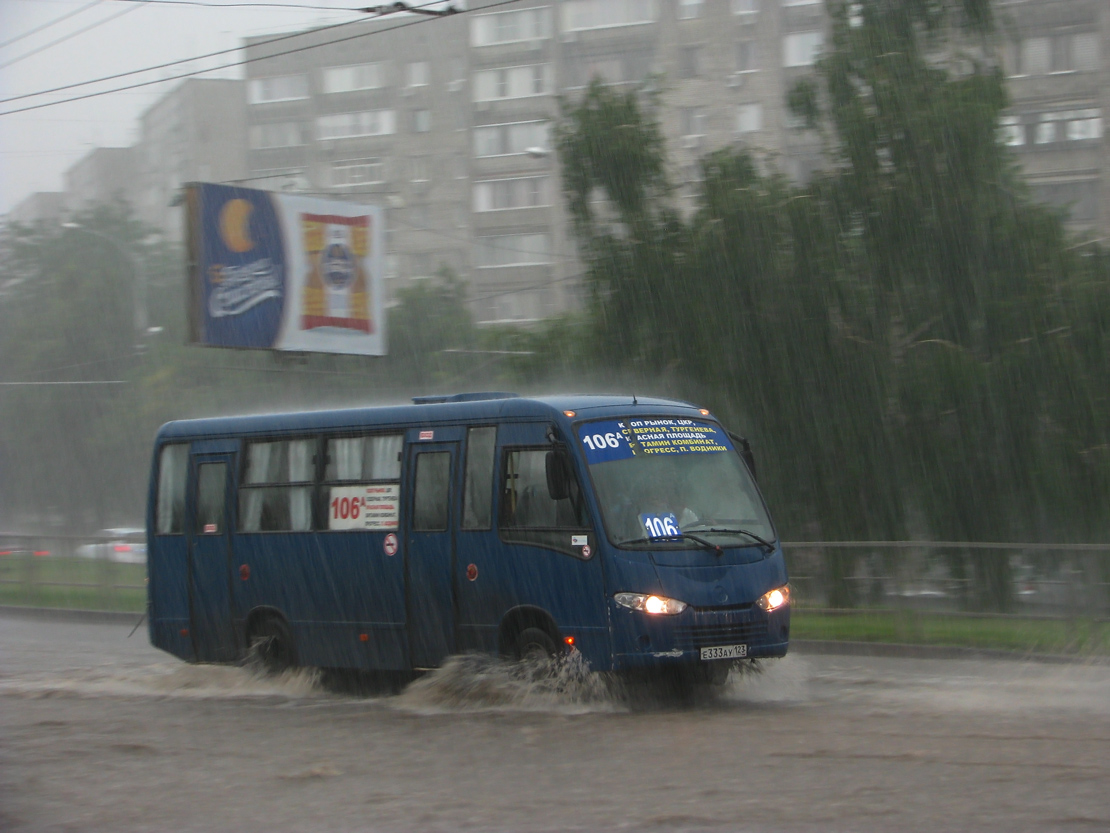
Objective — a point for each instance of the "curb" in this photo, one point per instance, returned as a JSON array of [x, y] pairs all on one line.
[[58, 614], [901, 650]]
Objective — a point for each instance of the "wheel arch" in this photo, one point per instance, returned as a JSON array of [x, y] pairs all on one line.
[[259, 614], [520, 617]]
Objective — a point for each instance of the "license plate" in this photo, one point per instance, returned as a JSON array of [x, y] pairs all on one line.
[[725, 652]]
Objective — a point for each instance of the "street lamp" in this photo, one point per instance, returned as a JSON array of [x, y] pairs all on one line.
[[138, 283]]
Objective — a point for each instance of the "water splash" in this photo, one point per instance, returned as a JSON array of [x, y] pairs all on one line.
[[477, 682]]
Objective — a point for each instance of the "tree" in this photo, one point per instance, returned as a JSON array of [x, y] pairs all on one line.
[[914, 345]]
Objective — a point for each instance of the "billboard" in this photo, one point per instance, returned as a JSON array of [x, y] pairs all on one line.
[[284, 272]]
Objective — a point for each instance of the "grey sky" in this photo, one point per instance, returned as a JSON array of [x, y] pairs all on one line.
[[36, 147]]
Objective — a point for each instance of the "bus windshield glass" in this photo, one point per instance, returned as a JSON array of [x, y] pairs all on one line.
[[657, 479]]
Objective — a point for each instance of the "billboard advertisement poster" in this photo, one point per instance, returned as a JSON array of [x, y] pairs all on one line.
[[284, 272]]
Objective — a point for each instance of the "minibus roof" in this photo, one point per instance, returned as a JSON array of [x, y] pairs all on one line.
[[455, 408]]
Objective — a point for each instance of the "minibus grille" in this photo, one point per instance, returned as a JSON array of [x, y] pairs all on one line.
[[724, 633]]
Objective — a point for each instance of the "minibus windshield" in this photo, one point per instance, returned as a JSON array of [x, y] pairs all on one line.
[[659, 478]]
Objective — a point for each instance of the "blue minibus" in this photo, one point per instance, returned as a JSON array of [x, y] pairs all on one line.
[[630, 530]]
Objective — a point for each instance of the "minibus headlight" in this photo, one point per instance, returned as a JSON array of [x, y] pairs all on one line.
[[655, 605], [774, 599]]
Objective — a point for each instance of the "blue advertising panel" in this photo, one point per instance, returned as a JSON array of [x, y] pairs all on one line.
[[284, 272], [243, 274], [609, 440]]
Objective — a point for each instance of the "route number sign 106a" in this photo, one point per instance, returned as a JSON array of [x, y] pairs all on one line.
[[596, 442], [373, 506]]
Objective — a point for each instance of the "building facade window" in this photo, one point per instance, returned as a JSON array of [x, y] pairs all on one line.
[[1085, 51], [278, 88], [1083, 125], [349, 125], [417, 74], [689, 62], [1036, 56], [356, 77], [513, 82], [693, 121], [421, 121], [800, 49], [513, 138], [745, 7], [749, 118], [510, 27], [357, 172], [1045, 131], [519, 192], [500, 250], [580, 15], [690, 9], [277, 135], [747, 56], [1011, 132], [1068, 125], [606, 70], [1079, 199]]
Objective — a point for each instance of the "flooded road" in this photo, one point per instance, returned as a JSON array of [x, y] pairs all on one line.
[[103, 733]]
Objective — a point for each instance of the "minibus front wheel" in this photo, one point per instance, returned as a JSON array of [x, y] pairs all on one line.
[[533, 645]]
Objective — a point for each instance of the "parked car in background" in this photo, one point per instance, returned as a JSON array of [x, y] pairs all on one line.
[[124, 545]]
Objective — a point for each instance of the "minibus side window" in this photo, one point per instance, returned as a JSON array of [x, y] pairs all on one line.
[[276, 491], [478, 494], [172, 472], [430, 501], [362, 483], [211, 479], [525, 500]]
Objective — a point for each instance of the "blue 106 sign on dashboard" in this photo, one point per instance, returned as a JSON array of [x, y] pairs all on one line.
[[661, 526]]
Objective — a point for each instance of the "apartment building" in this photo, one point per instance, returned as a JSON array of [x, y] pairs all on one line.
[[196, 132], [1057, 60], [376, 114], [101, 175], [449, 125]]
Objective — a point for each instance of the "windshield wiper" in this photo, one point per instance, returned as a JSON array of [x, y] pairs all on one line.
[[697, 539], [766, 545]]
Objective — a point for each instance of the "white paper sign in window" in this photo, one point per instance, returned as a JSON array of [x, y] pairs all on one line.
[[373, 506]]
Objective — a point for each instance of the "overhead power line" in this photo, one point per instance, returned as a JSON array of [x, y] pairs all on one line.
[[167, 65], [245, 61], [377, 10], [244, 5], [71, 35], [48, 24]]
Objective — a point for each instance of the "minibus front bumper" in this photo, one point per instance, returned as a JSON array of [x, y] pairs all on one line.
[[642, 640]]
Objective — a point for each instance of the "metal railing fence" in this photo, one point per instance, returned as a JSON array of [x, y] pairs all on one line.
[[1059, 581]]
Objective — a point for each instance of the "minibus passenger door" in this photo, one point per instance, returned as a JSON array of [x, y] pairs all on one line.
[[429, 552], [208, 517]]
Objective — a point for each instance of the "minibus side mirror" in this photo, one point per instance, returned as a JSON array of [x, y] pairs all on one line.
[[558, 474], [745, 452]]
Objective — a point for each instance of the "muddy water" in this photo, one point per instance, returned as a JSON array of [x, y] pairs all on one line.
[[101, 733]]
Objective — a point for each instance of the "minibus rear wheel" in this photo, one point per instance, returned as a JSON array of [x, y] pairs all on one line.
[[271, 645], [534, 644]]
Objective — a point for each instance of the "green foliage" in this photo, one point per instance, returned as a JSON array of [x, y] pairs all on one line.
[[912, 344]]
